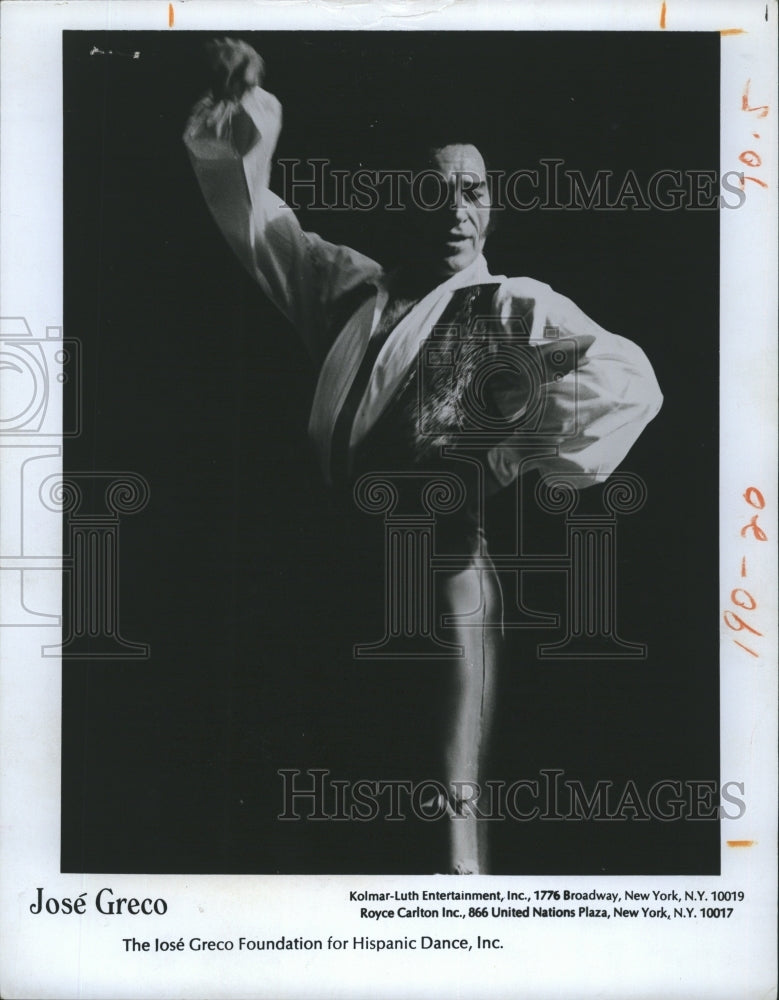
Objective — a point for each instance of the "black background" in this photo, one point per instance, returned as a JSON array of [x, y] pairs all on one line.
[[241, 574]]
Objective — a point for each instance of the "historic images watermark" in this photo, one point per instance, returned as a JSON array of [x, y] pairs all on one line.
[[469, 359], [42, 406], [550, 796], [316, 185]]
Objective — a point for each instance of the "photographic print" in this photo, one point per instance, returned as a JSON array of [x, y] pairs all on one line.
[[382, 548], [392, 500]]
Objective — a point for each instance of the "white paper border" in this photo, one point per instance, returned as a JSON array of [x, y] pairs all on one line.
[[78, 957]]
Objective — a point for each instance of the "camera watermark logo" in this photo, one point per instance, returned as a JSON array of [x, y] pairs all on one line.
[[41, 381], [480, 392], [33, 368]]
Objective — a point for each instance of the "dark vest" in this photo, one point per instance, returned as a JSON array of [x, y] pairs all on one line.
[[429, 415], [428, 410]]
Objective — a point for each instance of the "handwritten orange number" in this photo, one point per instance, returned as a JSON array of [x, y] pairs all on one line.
[[740, 623], [757, 531], [762, 108], [751, 158], [755, 179], [740, 604]]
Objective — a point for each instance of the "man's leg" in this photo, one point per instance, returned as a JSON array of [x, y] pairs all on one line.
[[468, 705]]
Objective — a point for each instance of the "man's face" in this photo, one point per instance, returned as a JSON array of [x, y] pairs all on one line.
[[453, 236]]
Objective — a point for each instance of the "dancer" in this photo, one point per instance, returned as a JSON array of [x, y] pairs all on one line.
[[363, 328]]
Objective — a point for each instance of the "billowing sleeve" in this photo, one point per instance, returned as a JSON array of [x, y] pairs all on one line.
[[230, 146], [593, 394]]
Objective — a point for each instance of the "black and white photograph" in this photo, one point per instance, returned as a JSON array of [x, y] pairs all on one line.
[[391, 501], [415, 350]]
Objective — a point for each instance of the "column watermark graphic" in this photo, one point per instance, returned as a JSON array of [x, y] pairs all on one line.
[[409, 543], [91, 563], [42, 507], [455, 424]]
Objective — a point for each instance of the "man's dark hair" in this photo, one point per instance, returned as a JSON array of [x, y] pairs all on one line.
[[421, 153], [412, 153], [421, 158]]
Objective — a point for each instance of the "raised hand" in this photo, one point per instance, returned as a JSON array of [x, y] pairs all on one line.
[[235, 68]]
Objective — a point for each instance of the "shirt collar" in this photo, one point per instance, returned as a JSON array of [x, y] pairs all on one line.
[[475, 273]]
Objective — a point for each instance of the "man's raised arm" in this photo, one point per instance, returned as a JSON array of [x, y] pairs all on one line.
[[231, 136]]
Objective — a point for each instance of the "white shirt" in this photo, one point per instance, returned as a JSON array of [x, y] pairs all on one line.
[[593, 415]]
